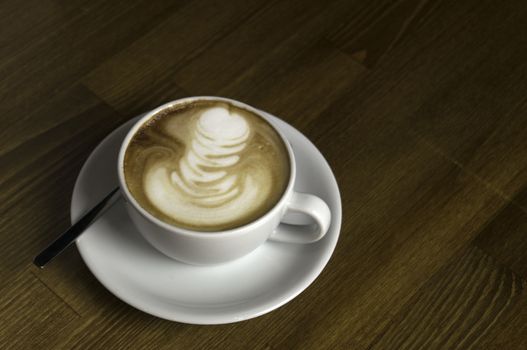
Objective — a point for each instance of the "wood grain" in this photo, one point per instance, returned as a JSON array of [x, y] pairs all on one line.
[[455, 307], [418, 106], [504, 237], [154, 56], [37, 329]]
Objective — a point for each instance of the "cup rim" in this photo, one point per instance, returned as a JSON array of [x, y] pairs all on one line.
[[195, 233]]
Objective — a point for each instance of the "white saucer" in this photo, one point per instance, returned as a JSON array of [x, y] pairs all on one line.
[[138, 274]]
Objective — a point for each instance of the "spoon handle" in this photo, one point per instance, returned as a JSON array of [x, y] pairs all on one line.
[[65, 239]]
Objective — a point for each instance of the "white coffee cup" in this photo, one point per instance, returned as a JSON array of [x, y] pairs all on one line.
[[205, 248]]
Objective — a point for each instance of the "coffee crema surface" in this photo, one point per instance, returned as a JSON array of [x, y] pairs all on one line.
[[206, 166]]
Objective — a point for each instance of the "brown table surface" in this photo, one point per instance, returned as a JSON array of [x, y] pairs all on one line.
[[419, 106]]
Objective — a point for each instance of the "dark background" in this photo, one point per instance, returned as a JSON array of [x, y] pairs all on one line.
[[419, 106]]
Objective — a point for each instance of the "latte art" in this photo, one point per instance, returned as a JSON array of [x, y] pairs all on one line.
[[204, 185], [218, 139], [209, 166]]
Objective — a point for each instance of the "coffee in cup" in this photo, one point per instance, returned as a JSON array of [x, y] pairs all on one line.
[[206, 166]]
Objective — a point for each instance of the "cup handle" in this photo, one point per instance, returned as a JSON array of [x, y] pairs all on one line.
[[312, 206]]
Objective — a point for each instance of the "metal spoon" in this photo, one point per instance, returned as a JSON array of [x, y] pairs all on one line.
[[65, 239]]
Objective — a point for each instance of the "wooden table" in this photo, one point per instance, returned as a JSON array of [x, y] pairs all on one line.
[[419, 106]]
